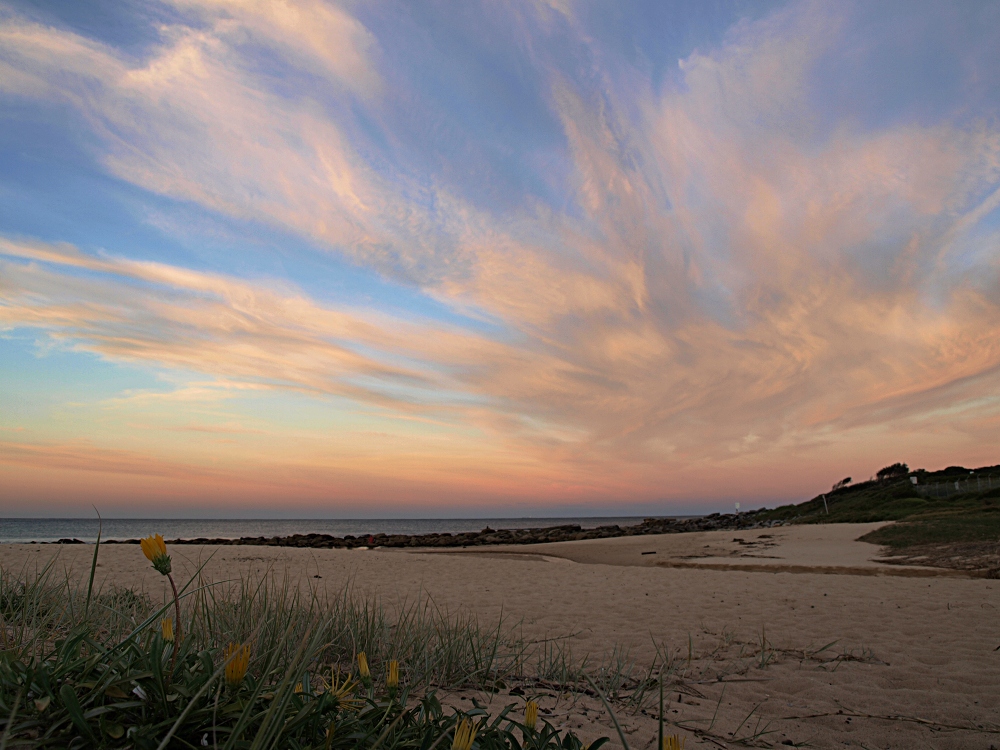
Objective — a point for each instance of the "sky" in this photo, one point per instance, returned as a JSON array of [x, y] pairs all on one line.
[[311, 259]]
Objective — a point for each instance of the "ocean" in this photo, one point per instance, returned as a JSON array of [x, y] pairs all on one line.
[[20, 530]]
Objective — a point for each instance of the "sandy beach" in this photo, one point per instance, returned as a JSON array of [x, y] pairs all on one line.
[[915, 651]]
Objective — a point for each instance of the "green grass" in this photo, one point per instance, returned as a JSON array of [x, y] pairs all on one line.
[[82, 669], [862, 503], [940, 528], [965, 517]]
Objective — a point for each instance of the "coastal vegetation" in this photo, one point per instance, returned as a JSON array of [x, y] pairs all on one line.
[[260, 663], [954, 506]]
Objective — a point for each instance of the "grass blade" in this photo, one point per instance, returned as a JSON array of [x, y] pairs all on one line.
[[93, 565], [614, 718]]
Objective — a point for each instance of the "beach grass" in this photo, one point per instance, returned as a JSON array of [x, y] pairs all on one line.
[[254, 663]]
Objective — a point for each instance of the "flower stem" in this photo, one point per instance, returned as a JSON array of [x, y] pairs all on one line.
[[178, 634]]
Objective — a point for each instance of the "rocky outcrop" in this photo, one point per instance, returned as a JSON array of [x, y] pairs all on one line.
[[488, 536]]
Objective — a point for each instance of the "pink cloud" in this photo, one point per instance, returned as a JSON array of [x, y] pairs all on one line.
[[734, 288]]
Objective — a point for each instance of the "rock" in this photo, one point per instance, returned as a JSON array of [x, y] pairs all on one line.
[[488, 536]]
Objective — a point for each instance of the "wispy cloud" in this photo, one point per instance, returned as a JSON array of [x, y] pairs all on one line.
[[176, 318], [731, 278]]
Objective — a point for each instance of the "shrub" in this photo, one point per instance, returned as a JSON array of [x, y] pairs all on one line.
[[892, 471]]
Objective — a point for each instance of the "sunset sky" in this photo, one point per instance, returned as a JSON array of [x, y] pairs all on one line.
[[413, 259]]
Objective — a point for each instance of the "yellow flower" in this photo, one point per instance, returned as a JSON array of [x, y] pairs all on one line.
[[392, 681], [237, 659], [531, 715], [298, 687], [167, 626], [363, 666], [465, 733], [155, 550], [343, 692], [153, 546], [673, 742]]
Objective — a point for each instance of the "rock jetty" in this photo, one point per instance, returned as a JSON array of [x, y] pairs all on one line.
[[488, 536]]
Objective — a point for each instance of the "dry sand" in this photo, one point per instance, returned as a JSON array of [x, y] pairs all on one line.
[[918, 647]]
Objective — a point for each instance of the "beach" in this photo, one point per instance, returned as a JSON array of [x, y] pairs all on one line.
[[913, 660]]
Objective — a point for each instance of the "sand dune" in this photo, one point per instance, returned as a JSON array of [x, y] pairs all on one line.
[[921, 649]]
